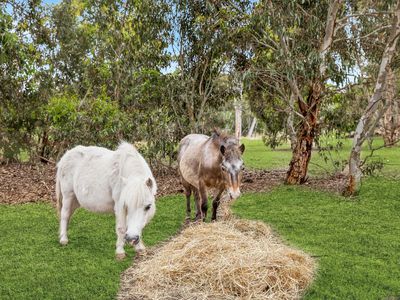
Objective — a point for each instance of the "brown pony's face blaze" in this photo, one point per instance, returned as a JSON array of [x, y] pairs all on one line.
[[232, 166]]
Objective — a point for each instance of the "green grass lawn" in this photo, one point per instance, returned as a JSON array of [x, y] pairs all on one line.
[[357, 242], [257, 156], [34, 266]]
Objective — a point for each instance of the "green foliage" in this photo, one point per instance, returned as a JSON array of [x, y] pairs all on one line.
[[20, 66], [372, 167], [341, 111], [357, 248], [89, 74], [35, 266], [269, 110], [96, 121], [207, 35], [330, 147]]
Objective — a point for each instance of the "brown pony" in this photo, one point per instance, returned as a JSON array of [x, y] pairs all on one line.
[[209, 162]]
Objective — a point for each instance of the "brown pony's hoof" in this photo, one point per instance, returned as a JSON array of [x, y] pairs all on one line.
[[198, 221], [120, 256]]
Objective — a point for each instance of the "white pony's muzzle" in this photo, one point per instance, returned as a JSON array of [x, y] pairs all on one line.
[[133, 240]]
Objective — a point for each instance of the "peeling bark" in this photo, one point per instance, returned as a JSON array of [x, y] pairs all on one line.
[[297, 173]]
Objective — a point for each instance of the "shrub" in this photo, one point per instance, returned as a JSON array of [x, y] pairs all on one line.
[[93, 120]]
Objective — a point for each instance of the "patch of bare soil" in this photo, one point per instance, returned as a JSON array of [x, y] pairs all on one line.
[[261, 180], [334, 184], [21, 183]]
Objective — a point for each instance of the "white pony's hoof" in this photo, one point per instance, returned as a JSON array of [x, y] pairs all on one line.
[[63, 242], [120, 256]]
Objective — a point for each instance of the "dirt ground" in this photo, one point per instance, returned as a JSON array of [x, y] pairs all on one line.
[[22, 183]]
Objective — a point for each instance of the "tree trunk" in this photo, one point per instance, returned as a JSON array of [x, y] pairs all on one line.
[[390, 127], [252, 127], [301, 155], [367, 122], [43, 146], [290, 123], [239, 82], [238, 120], [297, 173]]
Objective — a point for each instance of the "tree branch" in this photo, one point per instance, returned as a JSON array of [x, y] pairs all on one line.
[[376, 149]]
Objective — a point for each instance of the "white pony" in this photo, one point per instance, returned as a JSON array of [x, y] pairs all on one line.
[[102, 180]]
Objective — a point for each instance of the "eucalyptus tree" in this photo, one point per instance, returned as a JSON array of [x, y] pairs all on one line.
[[205, 42], [113, 51], [294, 57], [374, 110], [24, 75], [110, 44]]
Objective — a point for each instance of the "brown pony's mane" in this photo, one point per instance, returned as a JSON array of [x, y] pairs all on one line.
[[222, 138]]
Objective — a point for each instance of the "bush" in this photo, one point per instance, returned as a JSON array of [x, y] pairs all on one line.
[[89, 121]]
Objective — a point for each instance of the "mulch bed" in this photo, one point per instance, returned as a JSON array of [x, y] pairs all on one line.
[[22, 183]]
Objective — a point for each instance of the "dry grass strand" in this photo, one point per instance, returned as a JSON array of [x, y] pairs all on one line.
[[223, 260]]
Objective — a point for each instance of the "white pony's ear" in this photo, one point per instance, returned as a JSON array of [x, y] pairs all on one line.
[[149, 183]]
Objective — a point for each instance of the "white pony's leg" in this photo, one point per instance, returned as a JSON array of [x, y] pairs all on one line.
[[69, 204], [140, 247], [120, 229]]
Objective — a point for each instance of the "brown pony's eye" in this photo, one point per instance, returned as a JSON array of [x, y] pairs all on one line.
[[147, 207], [223, 168]]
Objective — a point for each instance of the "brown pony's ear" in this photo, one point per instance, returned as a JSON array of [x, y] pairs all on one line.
[[217, 132], [149, 183], [241, 148], [222, 149]]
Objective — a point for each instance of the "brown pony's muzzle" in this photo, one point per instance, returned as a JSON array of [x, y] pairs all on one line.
[[234, 194], [234, 189]]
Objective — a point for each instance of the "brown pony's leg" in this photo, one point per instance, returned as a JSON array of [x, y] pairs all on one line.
[[216, 204], [202, 205], [196, 195], [188, 191]]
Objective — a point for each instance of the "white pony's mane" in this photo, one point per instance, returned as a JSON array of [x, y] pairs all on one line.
[[125, 150], [128, 156], [137, 188]]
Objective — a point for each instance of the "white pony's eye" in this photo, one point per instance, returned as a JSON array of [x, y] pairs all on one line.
[[223, 168], [147, 207]]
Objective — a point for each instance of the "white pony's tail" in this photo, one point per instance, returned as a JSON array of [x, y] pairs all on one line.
[[58, 193]]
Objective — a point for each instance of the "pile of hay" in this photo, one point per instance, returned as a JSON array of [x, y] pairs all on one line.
[[223, 260]]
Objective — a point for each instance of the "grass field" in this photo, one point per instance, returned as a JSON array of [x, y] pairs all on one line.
[[34, 266], [257, 156], [356, 242]]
